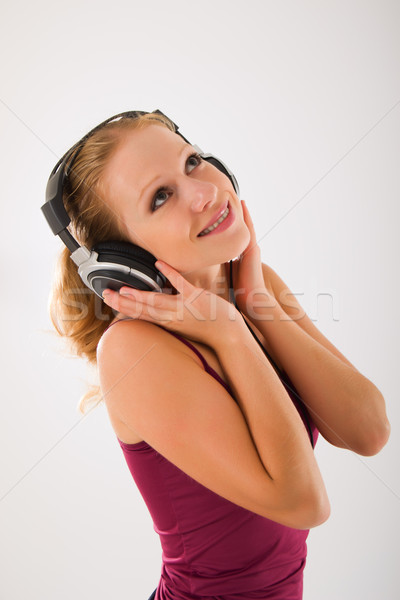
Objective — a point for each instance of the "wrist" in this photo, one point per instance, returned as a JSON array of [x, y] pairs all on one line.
[[232, 335]]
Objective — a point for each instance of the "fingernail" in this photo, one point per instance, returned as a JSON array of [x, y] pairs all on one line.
[[128, 290]]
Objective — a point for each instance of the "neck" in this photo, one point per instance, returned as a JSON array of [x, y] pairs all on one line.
[[215, 279]]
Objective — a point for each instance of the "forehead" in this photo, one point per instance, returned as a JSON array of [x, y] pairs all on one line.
[[146, 147], [140, 156]]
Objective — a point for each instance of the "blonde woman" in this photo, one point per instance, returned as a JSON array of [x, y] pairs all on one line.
[[216, 384]]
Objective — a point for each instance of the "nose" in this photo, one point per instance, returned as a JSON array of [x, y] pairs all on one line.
[[199, 193]]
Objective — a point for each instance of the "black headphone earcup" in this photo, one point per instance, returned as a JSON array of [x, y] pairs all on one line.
[[130, 254], [124, 263]]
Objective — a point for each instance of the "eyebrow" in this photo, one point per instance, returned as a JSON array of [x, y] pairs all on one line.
[[150, 183]]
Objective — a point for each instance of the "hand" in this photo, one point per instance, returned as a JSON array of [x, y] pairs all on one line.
[[248, 279], [193, 312]]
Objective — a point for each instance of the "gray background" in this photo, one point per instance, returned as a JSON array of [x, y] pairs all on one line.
[[302, 100]]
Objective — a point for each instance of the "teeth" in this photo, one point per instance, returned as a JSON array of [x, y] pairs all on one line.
[[222, 218]]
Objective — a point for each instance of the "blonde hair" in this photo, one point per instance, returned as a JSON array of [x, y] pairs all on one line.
[[78, 314]]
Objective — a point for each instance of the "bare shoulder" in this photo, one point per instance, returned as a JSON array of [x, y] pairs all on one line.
[[135, 345], [133, 337], [124, 334], [128, 354]]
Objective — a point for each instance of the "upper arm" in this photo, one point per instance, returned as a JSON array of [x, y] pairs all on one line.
[[288, 302], [164, 396]]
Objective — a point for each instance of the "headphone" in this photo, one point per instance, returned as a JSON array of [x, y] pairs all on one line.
[[109, 264]]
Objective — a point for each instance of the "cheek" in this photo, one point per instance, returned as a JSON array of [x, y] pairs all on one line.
[[178, 251], [153, 238], [166, 244], [224, 183]]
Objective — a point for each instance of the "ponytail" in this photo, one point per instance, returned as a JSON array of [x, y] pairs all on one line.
[[79, 316]]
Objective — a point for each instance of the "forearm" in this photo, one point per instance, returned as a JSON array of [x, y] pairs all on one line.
[[345, 406], [274, 423]]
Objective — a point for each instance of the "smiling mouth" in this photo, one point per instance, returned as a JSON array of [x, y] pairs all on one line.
[[215, 225]]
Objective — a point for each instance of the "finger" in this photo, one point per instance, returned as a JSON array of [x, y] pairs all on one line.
[[246, 214], [250, 226], [176, 279], [107, 295], [155, 307], [115, 301], [147, 299], [151, 308]]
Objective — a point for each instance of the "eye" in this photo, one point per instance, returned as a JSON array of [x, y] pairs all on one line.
[[196, 158], [163, 193], [159, 196]]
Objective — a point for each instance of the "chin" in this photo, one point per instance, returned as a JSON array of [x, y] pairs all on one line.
[[237, 245]]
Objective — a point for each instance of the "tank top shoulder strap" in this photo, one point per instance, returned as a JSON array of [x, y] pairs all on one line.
[[189, 345], [206, 366], [203, 360], [117, 321]]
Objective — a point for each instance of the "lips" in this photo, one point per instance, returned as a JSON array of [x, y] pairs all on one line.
[[217, 215]]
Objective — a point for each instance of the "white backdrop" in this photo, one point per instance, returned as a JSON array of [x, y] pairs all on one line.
[[302, 100]]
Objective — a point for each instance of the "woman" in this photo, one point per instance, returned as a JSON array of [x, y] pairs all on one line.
[[217, 386]]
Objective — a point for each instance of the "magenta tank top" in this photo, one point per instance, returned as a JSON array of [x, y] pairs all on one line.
[[213, 549]]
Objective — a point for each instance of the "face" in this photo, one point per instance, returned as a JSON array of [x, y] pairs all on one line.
[[164, 197]]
